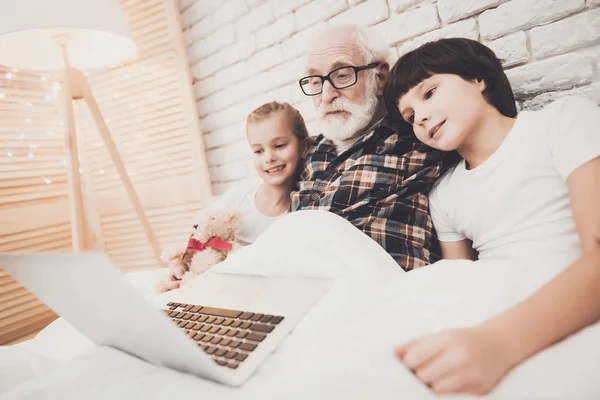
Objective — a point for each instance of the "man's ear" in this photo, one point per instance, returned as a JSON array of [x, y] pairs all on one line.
[[383, 71]]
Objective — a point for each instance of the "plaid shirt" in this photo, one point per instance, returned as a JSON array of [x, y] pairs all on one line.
[[380, 185]]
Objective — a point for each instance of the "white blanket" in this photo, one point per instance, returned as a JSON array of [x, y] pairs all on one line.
[[342, 348]]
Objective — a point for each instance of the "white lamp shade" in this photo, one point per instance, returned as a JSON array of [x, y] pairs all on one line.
[[98, 34]]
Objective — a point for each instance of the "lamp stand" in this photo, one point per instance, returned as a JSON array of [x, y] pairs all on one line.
[[76, 87]]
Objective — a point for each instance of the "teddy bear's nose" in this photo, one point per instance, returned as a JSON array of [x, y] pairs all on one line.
[[195, 226]]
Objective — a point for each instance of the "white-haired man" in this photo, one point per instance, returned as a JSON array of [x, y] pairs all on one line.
[[363, 166]]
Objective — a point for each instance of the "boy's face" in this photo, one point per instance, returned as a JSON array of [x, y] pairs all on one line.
[[444, 110], [277, 152]]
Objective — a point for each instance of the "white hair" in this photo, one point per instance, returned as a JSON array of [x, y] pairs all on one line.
[[368, 40]]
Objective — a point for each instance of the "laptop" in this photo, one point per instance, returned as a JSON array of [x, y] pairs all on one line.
[[219, 326]]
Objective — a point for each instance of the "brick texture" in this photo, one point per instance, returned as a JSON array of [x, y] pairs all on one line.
[[243, 53]]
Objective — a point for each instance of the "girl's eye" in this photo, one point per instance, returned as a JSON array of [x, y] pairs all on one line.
[[280, 146], [411, 118], [257, 151], [429, 93]]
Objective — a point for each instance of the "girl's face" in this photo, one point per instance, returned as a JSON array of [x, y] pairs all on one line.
[[277, 152], [444, 110]]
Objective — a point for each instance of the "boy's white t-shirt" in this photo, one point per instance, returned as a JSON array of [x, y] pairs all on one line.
[[516, 204], [241, 198]]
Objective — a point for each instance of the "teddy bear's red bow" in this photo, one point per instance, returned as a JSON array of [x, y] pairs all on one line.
[[214, 242]]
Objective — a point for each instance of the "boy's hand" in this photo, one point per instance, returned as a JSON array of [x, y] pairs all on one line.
[[458, 361]]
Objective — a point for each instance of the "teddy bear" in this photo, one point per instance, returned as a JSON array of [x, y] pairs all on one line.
[[211, 241]]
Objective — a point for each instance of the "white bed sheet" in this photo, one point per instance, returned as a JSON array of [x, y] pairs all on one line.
[[343, 347]]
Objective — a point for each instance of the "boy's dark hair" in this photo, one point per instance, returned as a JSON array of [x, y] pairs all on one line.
[[466, 58]]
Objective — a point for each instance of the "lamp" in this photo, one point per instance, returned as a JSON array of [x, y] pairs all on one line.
[[70, 35]]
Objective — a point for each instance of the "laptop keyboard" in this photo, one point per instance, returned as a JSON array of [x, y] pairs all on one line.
[[228, 336]]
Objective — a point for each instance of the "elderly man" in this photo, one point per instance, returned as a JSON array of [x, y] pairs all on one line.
[[363, 167]]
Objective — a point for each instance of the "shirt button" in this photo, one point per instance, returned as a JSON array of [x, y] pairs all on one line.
[[315, 196]]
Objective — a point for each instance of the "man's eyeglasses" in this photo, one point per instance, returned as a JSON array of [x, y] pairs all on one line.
[[340, 78]]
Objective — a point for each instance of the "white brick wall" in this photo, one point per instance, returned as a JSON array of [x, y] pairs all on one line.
[[246, 52]]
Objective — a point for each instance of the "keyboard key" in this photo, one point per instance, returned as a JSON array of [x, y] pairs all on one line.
[[196, 309], [246, 315], [198, 336], [248, 346], [241, 334], [231, 354], [210, 320], [194, 317], [266, 318], [232, 365], [172, 307], [241, 356], [257, 317], [223, 331], [220, 352], [191, 334], [181, 323], [207, 338], [227, 322], [246, 325], [179, 315], [210, 350], [225, 342], [232, 332], [188, 307], [189, 325], [219, 321], [172, 313], [221, 362], [214, 329], [235, 344], [221, 312], [203, 318], [205, 328], [216, 340], [171, 304], [276, 320], [236, 324], [197, 326], [261, 328], [257, 337], [187, 316]]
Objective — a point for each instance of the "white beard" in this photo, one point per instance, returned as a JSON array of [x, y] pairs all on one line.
[[341, 128]]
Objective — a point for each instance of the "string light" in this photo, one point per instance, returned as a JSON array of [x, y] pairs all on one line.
[[2, 95], [30, 155], [28, 104], [97, 144], [9, 153], [50, 132], [28, 120], [126, 76], [33, 146], [48, 97], [8, 75], [101, 171], [132, 105], [116, 95], [22, 136], [43, 78], [48, 181], [138, 120], [56, 87]]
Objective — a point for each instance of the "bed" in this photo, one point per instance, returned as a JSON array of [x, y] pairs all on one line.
[[341, 349]]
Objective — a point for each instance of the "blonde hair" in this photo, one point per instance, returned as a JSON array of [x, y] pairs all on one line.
[[294, 117]]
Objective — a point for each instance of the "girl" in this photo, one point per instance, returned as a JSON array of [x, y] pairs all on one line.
[[278, 138], [527, 190]]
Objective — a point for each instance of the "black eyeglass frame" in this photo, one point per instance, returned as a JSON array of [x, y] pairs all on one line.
[[328, 77]]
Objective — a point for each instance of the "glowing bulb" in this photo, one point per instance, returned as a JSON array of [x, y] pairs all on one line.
[[48, 97], [2, 95], [48, 181], [132, 105], [97, 144], [9, 153], [28, 104], [116, 95], [22, 136], [8, 75], [28, 120], [44, 79], [33, 146], [126, 76], [30, 155], [139, 120], [101, 171], [51, 132]]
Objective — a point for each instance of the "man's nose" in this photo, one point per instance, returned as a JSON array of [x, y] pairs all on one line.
[[329, 93]]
